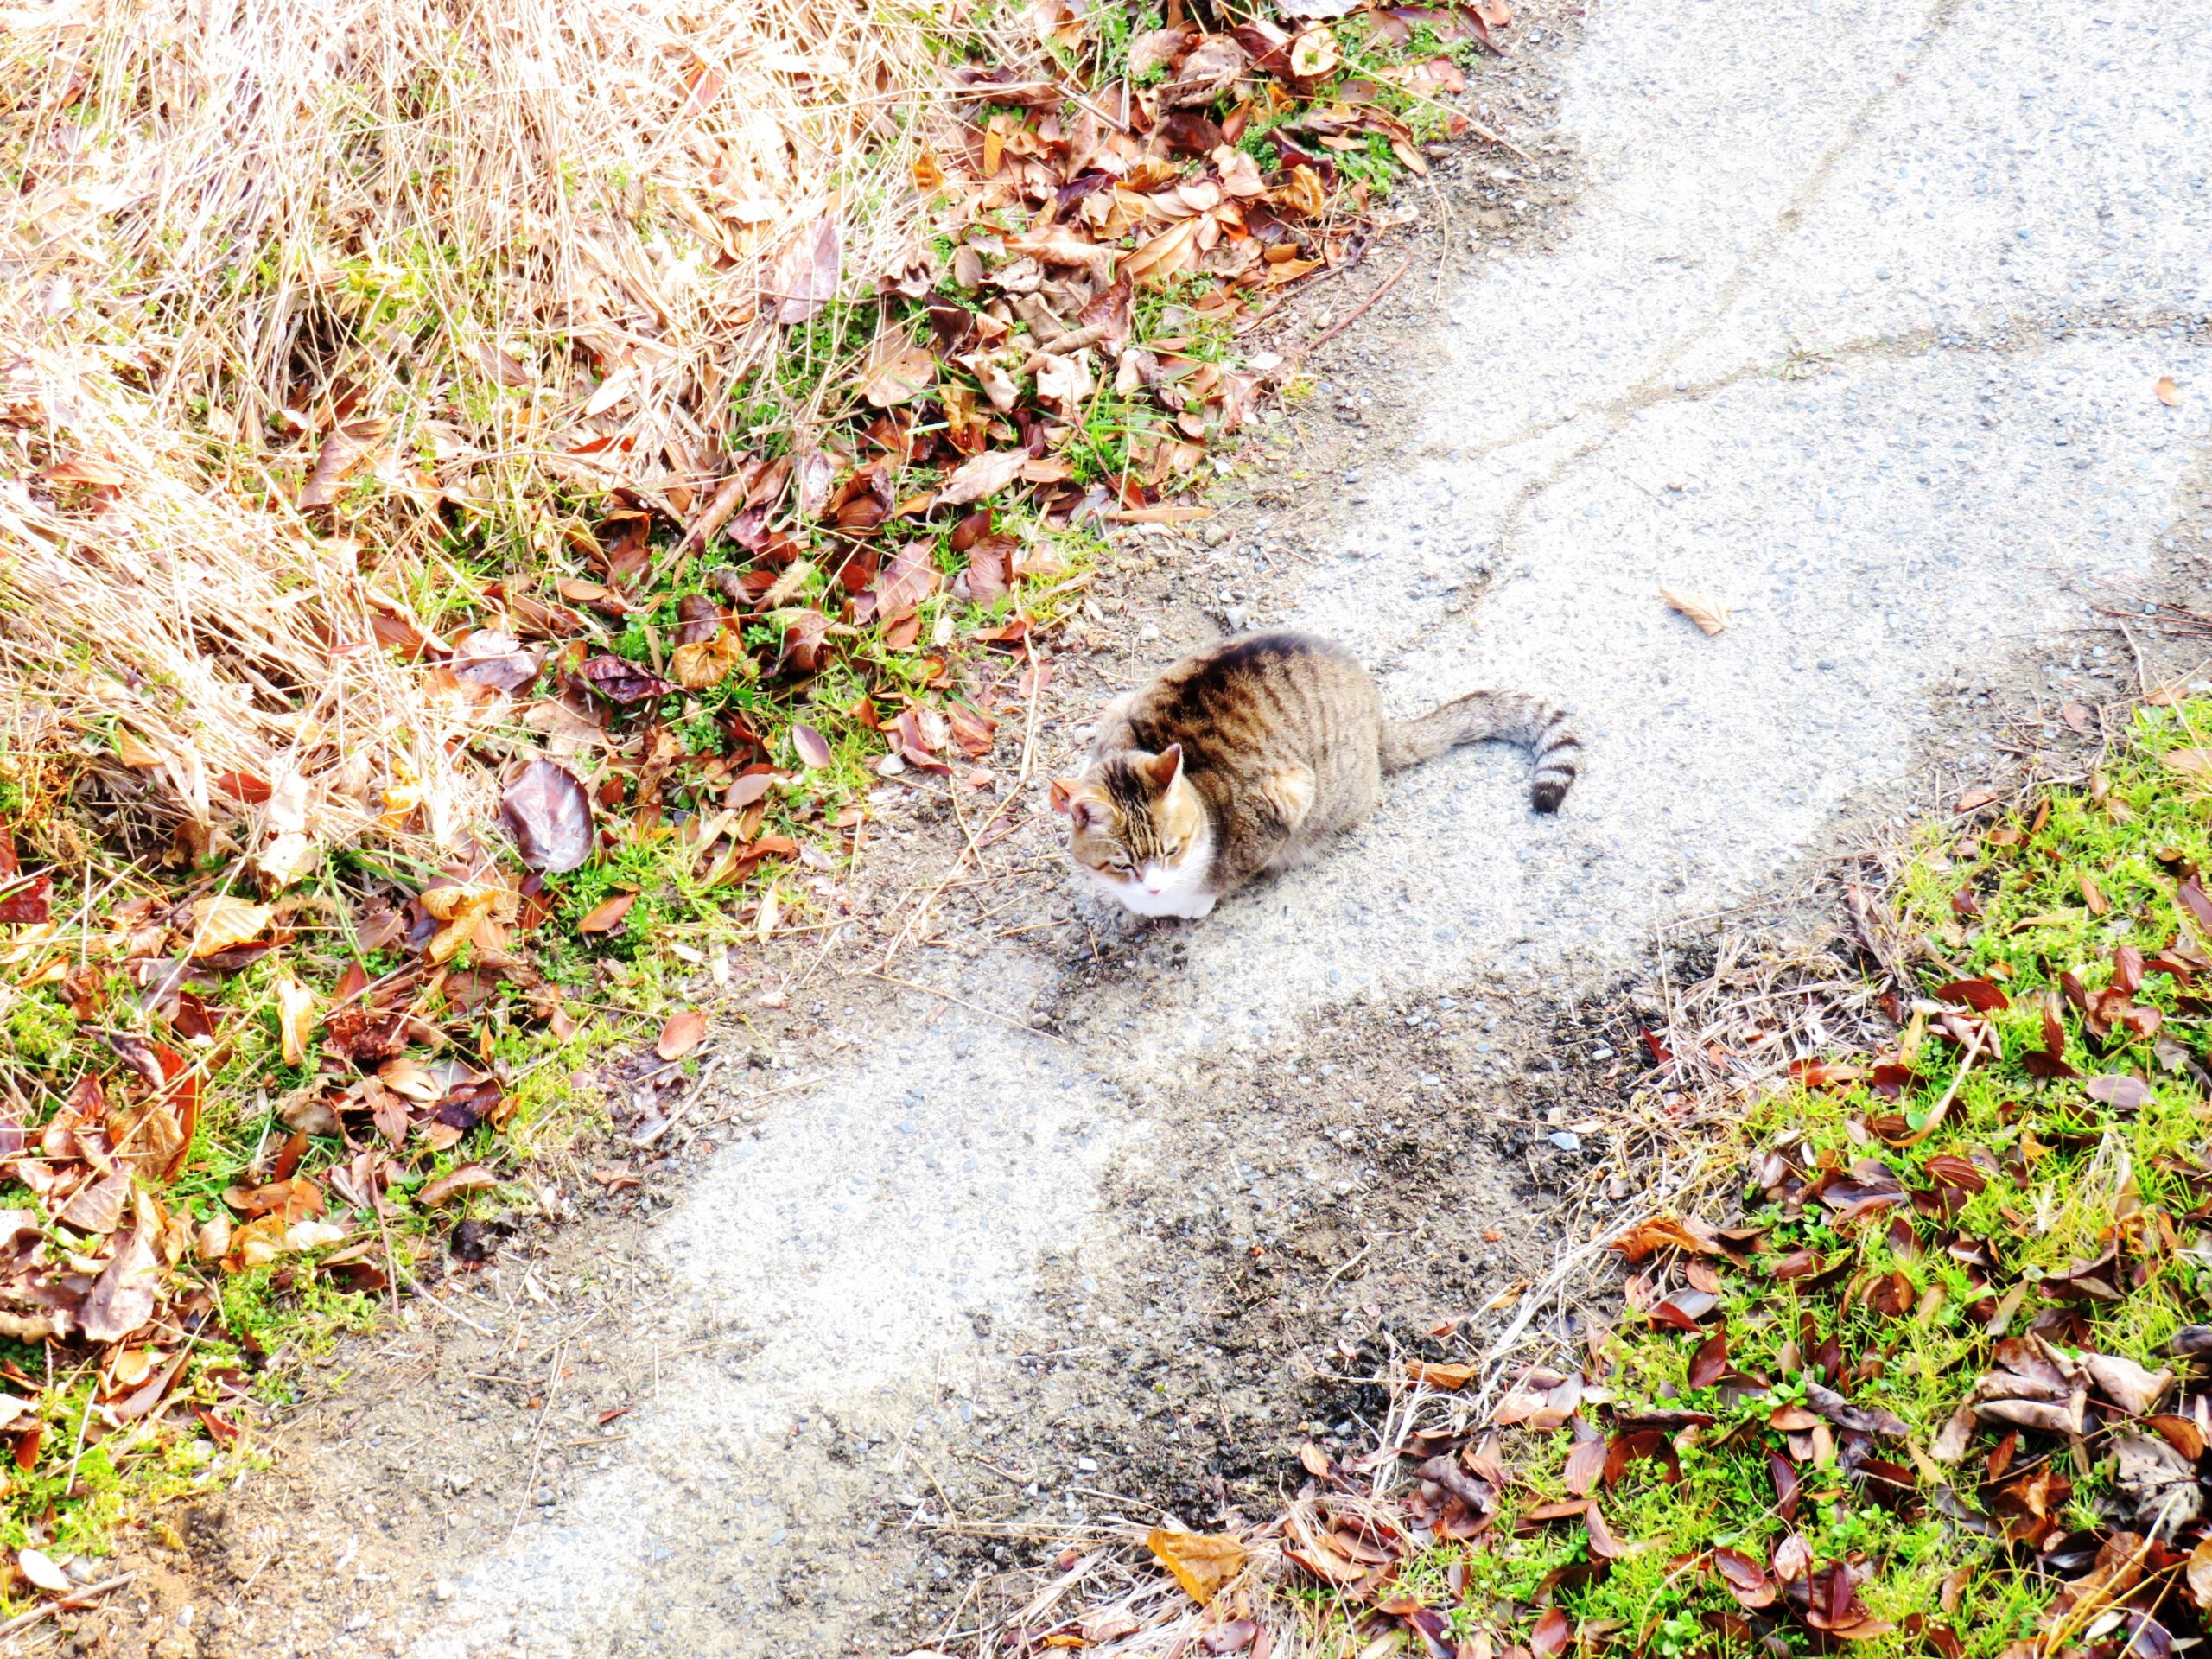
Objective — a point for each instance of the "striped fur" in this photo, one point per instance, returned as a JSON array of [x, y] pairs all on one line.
[[1251, 756], [1535, 725]]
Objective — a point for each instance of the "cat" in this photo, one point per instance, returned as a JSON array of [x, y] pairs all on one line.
[[1250, 756]]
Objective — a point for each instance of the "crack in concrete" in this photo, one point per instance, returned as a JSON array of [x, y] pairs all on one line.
[[2018, 334]]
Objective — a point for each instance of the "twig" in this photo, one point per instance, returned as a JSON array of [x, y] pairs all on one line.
[[1356, 312], [974, 1007], [75, 1599], [537, 1435]]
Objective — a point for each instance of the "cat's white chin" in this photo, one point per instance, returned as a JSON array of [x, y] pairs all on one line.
[[1176, 900]]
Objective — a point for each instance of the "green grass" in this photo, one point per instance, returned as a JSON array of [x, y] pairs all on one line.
[[2068, 1176]]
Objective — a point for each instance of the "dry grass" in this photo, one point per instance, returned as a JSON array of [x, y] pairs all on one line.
[[517, 258]]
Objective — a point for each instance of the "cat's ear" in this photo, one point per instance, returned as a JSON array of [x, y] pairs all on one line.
[[1166, 767], [1081, 813]]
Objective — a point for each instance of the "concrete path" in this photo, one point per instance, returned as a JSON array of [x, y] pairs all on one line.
[[1855, 332]]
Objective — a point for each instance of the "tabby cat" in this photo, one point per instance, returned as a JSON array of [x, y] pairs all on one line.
[[1248, 757]]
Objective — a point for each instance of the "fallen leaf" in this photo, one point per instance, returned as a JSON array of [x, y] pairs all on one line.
[[2190, 762], [1710, 615], [982, 475], [685, 1029], [1447, 1377], [812, 747], [1584, 1465], [40, 1569], [298, 1009], [2120, 1090], [1710, 1362], [122, 1298], [2166, 391], [805, 278], [897, 371], [469, 1178], [1202, 1562], [223, 919], [1314, 52], [620, 680], [548, 811], [349, 444], [607, 915]]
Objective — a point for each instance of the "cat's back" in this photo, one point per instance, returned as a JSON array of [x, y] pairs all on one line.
[[1280, 694]]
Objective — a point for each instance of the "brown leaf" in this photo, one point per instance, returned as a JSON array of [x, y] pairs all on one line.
[[2120, 1090], [620, 680], [1743, 1578], [805, 277], [2079, 717], [549, 813], [982, 475], [122, 1298], [685, 1029], [897, 371], [96, 1206], [495, 659], [2166, 391], [1710, 1361], [350, 443], [1548, 1640], [27, 899], [2200, 1573], [1584, 1465], [1447, 1377], [1710, 615], [1202, 1562], [1976, 994], [812, 747], [223, 919], [298, 1009], [469, 1178], [607, 915]]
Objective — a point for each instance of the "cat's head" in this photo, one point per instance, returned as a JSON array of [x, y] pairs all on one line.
[[1137, 828]]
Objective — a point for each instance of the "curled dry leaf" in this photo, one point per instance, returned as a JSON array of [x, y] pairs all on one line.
[[1314, 52], [549, 813], [1710, 615], [350, 443], [470, 914], [685, 1029], [1202, 1562], [41, 1570], [469, 1178], [2166, 391], [297, 1008]]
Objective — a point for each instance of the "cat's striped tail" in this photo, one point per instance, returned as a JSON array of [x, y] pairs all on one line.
[[1539, 727]]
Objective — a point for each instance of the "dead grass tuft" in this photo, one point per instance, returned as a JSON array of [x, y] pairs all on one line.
[[316, 308]]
